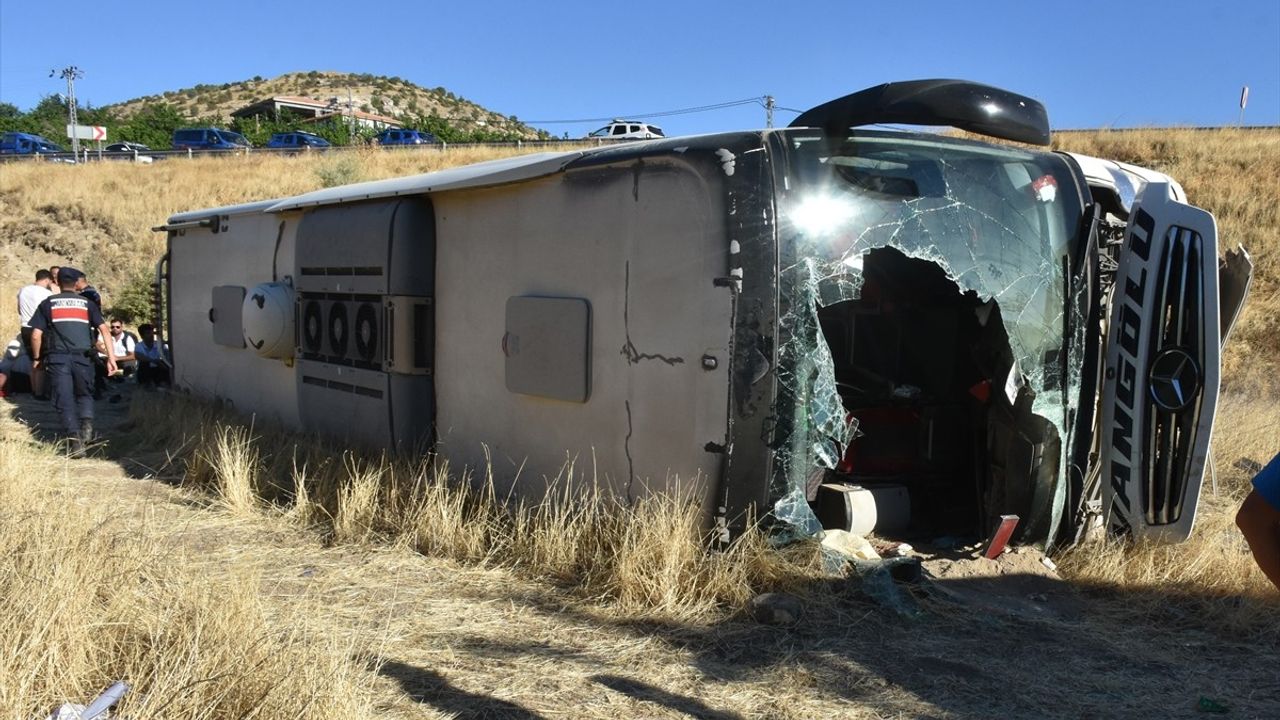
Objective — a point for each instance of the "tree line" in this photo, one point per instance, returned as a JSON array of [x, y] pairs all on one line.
[[155, 123]]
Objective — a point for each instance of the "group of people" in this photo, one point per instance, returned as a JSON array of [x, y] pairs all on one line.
[[68, 352]]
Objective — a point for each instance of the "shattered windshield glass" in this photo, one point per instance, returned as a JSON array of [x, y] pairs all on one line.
[[999, 222]]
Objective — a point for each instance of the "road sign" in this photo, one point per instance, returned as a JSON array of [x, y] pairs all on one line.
[[87, 132]]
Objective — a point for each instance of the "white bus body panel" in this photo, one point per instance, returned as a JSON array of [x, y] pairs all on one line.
[[644, 252], [240, 254]]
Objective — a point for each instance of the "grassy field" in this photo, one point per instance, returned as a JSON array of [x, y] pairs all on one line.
[[380, 590], [195, 593]]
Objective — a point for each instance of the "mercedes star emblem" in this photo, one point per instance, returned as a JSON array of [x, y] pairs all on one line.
[[1174, 379]]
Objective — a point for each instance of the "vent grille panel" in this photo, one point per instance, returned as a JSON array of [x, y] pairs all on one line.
[[1169, 434], [341, 329]]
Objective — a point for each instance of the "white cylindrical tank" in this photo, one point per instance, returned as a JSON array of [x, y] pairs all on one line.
[[268, 320]]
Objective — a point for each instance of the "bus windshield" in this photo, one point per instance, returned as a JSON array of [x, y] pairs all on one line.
[[920, 213], [997, 219]]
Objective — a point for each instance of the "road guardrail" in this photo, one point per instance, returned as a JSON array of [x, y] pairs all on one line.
[[90, 155]]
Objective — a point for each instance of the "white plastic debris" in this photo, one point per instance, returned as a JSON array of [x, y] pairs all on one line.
[[846, 543], [96, 710], [68, 711]]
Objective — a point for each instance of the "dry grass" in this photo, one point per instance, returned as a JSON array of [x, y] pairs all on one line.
[[89, 598], [649, 557], [252, 606], [234, 459]]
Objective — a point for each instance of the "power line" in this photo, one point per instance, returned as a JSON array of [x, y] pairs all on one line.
[[663, 113]]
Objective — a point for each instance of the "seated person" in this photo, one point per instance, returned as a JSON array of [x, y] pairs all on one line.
[[152, 357], [15, 369], [123, 342]]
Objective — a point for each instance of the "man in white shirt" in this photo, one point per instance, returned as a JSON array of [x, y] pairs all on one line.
[[123, 342], [29, 298]]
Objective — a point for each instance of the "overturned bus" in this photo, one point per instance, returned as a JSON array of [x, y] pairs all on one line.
[[820, 324]]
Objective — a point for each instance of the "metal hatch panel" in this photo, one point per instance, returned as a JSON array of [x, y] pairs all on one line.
[[1235, 274], [971, 106]]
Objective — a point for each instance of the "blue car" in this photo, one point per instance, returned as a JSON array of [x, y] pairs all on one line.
[[20, 143], [208, 139], [400, 136], [297, 141]]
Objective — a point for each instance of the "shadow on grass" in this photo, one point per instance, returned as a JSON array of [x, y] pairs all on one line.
[[430, 688], [652, 694], [116, 431], [1137, 653]]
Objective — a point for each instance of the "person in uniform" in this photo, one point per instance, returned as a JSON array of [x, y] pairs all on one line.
[[62, 343], [100, 373]]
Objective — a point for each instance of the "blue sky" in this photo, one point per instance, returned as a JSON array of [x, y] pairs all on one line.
[[1093, 64]]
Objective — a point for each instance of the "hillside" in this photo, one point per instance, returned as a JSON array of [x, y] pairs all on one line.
[[391, 96]]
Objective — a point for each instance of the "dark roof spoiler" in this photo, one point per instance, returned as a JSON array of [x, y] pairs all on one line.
[[971, 106]]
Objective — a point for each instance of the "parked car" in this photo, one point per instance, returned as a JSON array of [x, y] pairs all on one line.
[[126, 147], [297, 140], [20, 143], [137, 152], [627, 130], [208, 139], [402, 136]]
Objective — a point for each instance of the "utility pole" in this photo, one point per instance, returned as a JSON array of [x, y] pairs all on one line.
[[351, 115], [768, 111], [71, 73]]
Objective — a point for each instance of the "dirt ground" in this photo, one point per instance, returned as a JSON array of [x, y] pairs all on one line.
[[447, 640]]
